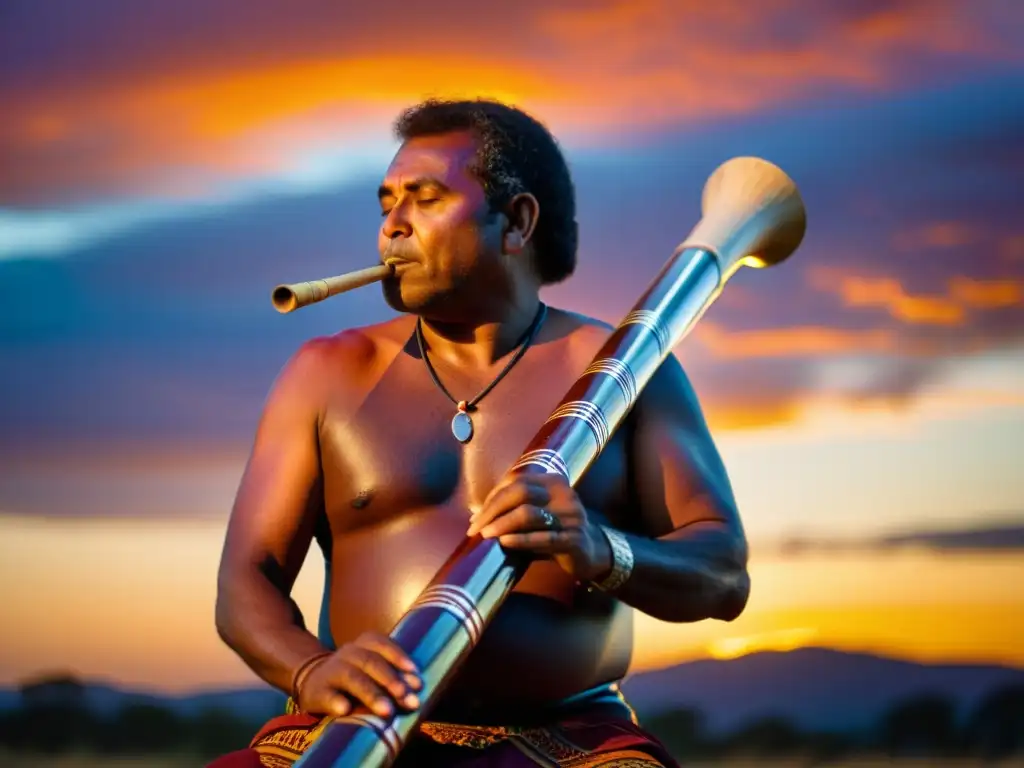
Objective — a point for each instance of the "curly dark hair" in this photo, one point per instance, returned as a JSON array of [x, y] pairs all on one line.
[[516, 154]]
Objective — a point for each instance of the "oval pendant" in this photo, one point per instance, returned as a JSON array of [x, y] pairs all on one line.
[[462, 427]]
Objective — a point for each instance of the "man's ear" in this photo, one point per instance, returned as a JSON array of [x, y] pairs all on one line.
[[523, 211]]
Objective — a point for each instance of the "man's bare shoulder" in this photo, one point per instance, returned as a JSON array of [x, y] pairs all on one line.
[[333, 369], [580, 321], [583, 334], [354, 350]]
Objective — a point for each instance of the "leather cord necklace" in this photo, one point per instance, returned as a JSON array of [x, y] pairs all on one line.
[[462, 423]]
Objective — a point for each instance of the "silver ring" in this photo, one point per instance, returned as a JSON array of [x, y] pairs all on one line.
[[550, 521]]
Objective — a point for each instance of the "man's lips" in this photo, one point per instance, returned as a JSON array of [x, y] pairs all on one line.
[[398, 264], [394, 256]]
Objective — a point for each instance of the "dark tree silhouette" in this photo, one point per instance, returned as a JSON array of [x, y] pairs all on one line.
[[768, 737], [54, 716], [681, 731], [140, 728], [216, 732], [920, 725], [995, 730], [57, 688]]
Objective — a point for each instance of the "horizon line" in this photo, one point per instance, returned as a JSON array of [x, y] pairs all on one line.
[[57, 672]]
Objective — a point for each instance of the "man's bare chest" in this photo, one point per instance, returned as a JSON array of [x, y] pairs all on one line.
[[395, 453]]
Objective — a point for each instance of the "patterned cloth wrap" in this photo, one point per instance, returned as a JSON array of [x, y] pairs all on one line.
[[596, 729]]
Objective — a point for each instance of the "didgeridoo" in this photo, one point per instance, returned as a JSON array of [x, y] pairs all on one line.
[[753, 215]]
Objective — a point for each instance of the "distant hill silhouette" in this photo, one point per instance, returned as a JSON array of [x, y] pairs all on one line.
[[815, 688], [813, 702], [251, 704]]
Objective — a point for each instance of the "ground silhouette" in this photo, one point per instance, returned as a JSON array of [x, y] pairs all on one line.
[[54, 716]]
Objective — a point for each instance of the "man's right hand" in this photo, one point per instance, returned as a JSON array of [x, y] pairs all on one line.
[[371, 670]]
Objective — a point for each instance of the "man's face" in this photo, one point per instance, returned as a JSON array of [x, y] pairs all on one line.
[[436, 218]]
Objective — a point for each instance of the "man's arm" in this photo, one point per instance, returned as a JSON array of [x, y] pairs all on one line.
[[689, 550], [271, 527]]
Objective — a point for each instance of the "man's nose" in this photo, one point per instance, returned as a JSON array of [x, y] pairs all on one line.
[[396, 224]]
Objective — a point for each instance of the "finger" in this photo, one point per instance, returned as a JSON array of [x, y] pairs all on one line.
[[506, 500], [554, 482], [383, 673], [521, 519], [542, 542], [521, 489], [389, 649], [413, 682], [399, 685], [562, 495], [336, 704], [361, 686], [501, 485], [518, 519]]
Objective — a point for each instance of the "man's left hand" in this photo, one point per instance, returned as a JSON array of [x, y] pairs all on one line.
[[542, 513]]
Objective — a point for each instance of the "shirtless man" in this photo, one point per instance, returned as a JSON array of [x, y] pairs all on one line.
[[355, 449]]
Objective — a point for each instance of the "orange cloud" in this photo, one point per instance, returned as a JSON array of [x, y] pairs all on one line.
[[736, 56], [751, 410], [798, 341], [253, 111], [889, 294], [717, 68], [923, 24], [240, 122], [729, 415], [948, 309], [986, 294], [236, 102], [940, 234]]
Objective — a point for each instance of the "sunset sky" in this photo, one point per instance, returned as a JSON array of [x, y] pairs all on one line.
[[164, 165]]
